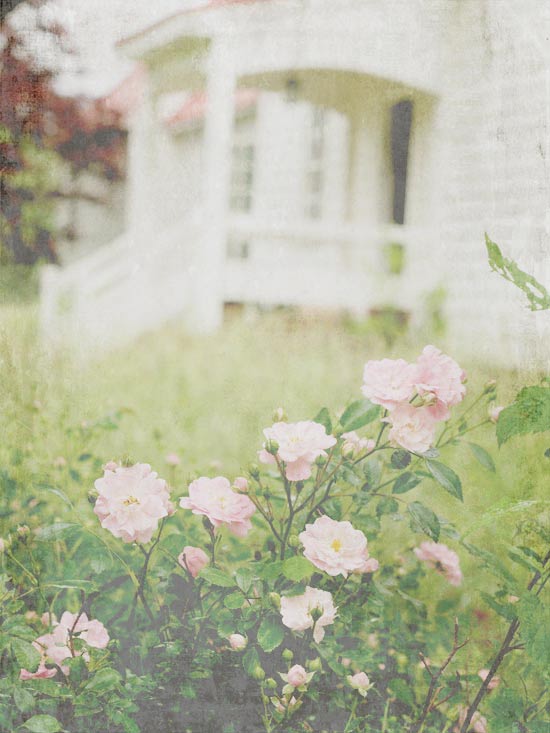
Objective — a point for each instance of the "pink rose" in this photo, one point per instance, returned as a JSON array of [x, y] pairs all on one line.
[[441, 377], [296, 676], [241, 484], [296, 611], [213, 498], [494, 412], [439, 557], [131, 502], [238, 642], [300, 444], [42, 673], [412, 428], [495, 681], [172, 459], [360, 682], [193, 559], [335, 547], [478, 724], [389, 382], [354, 445]]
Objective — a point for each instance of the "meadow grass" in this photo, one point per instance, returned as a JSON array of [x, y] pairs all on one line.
[[208, 398]]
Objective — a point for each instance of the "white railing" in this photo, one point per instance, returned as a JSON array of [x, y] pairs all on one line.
[[127, 287]]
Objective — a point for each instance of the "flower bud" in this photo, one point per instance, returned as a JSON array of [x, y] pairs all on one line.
[[296, 676], [254, 471], [293, 540], [238, 642], [299, 485], [275, 600], [287, 655], [316, 613], [241, 484], [315, 665], [92, 496], [271, 446], [348, 449], [490, 386], [279, 415], [172, 459], [494, 412], [258, 673], [23, 532], [270, 682]]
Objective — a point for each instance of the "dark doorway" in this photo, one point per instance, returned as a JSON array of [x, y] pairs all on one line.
[[401, 120]]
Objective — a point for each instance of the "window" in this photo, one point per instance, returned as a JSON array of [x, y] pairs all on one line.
[[242, 176], [401, 120], [314, 174]]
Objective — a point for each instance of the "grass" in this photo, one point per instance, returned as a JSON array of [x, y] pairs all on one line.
[[208, 399]]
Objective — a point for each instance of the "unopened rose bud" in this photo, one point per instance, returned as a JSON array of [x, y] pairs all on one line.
[[293, 540], [270, 682], [258, 673], [320, 461], [490, 386], [287, 655], [92, 496], [299, 485], [271, 446], [316, 613], [494, 412], [315, 665], [238, 642], [279, 415], [172, 459], [348, 450], [275, 600], [241, 484], [23, 531], [254, 471]]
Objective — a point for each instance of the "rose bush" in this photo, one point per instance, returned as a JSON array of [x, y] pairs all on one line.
[[324, 590]]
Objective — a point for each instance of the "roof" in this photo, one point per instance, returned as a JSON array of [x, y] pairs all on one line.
[[211, 5], [193, 109]]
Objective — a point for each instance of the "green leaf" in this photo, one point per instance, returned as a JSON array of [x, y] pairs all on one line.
[[42, 724], [424, 520], [446, 477], [27, 656], [297, 568], [270, 634], [55, 531], [387, 505], [323, 417], [529, 413], [251, 660], [217, 577], [105, 679], [244, 578], [534, 616], [23, 699], [372, 471], [358, 414], [405, 482], [61, 494], [234, 600], [271, 571], [506, 611], [537, 295], [403, 691], [482, 456]]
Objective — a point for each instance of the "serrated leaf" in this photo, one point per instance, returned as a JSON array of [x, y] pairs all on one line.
[[405, 482], [103, 680], [234, 600], [55, 531], [386, 505], [27, 656], [270, 634], [243, 578], [272, 571], [424, 520], [323, 417], [23, 699], [297, 568], [42, 724], [214, 576], [372, 471], [359, 414], [482, 457], [251, 660], [529, 413], [446, 477]]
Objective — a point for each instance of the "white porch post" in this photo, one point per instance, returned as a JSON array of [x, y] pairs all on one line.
[[207, 305]]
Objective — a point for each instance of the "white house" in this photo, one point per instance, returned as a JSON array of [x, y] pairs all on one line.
[[283, 146]]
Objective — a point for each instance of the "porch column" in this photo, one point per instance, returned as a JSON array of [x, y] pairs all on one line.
[[207, 305]]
